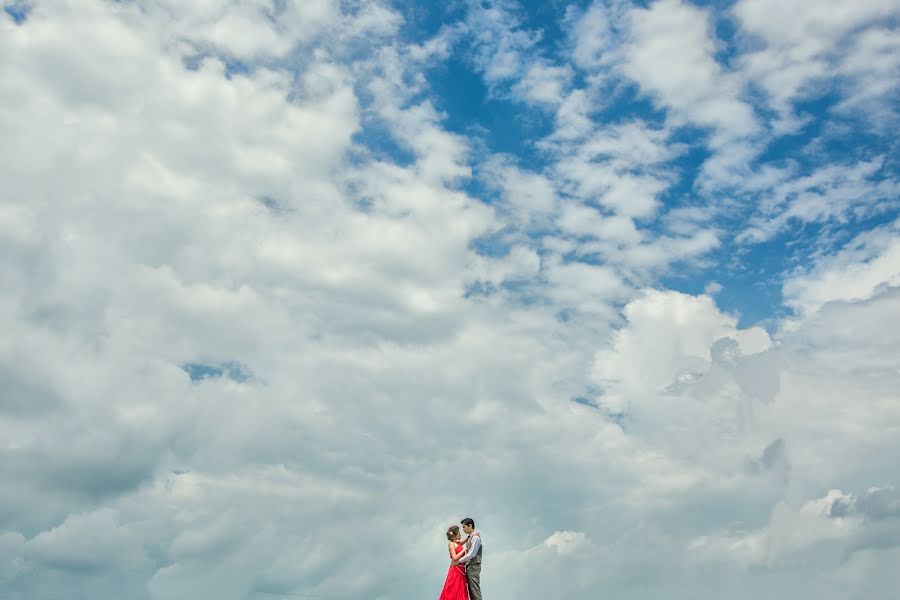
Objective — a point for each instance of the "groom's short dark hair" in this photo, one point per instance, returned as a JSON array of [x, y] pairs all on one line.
[[468, 521]]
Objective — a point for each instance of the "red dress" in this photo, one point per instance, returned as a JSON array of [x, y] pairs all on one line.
[[455, 587]]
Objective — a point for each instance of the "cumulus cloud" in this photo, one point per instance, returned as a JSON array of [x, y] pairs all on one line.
[[672, 57], [865, 266], [244, 344], [802, 50], [544, 84], [708, 384], [503, 45]]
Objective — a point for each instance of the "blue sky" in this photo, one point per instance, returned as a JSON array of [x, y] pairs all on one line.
[[615, 278], [500, 121]]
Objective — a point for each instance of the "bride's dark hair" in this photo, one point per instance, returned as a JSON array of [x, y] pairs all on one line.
[[451, 533]]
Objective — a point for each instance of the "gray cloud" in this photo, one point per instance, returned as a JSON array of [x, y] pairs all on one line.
[[880, 502]]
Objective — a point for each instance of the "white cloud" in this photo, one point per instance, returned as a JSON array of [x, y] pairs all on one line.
[[572, 116], [544, 84], [670, 338], [154, 215], [590, 287], [565, 542], [712, 288], [800, 53], [592, 36], [862, 268], [671, 56], [826, 19], [528, 197], [88, 541], [502, 44], [828, 194], [872, 70], [629, 364]]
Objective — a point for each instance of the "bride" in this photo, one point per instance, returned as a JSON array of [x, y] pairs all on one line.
[[455, 584]]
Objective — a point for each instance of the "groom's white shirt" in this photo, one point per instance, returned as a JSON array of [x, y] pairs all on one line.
[[473, 549]]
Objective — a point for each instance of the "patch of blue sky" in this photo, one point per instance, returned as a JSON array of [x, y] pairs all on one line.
[[380, 145], [685, 166], [593, 398], [18, 11], [423, 20], [274, 205], [584, 401], [493, 245], [477, 187], [830, 136], [624, 103], [751, 283], [270, 203], [548, 18], [496, 122], [193, 62], [230, 369], [234, 67], [493, 116], [752, 276], [499, 122], [523, 291], [479, 289], [724, 30], [459, 91]]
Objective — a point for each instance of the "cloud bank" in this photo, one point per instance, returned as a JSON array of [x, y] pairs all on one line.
[[271, 321]]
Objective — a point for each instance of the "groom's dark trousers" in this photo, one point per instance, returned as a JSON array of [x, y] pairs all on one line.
[[473, 578]]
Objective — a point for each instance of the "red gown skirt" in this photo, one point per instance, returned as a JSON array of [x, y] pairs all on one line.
[[455, 587]]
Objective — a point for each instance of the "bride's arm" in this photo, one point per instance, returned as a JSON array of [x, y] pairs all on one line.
[[454, 555]]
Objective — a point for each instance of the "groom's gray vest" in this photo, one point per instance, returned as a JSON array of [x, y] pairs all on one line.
[[477, 558], [473, 574]]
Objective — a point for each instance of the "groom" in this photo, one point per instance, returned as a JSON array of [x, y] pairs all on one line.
[[472, 558]]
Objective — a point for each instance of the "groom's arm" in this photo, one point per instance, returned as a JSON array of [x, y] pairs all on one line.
[[473, 549]]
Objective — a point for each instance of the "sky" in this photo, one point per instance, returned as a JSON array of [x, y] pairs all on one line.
[[290, 287]]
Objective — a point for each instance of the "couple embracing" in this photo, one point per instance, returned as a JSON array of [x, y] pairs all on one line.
[[464, 577]]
